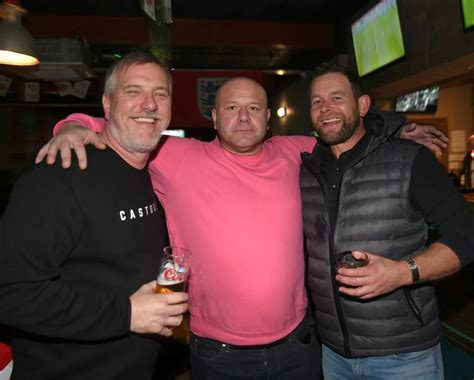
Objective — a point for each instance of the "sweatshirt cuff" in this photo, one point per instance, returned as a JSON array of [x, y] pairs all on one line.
[[95, 125]]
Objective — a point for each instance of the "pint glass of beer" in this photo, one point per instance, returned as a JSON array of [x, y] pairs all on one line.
[[173, 271], [172, 277]]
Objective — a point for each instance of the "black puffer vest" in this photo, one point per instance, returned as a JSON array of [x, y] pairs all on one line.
[[374, 215]]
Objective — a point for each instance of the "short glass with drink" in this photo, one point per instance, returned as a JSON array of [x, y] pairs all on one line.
[[347, 260]]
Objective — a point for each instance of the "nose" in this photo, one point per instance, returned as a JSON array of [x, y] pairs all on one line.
[[149, 103], [243, 114], [324, 107]]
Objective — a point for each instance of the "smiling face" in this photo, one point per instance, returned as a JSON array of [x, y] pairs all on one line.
[[241, 116], [335, 112], [138, 108]]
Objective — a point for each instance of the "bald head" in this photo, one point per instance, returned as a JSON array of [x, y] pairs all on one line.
[[241, 115], [241, 82]]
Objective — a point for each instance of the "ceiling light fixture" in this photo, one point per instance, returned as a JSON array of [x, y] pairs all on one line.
[[17, 46]]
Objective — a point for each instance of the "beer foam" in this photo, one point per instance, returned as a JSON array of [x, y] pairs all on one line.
[[164, 282]]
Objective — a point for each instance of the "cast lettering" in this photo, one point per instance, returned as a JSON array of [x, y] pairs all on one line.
[[139, 212]]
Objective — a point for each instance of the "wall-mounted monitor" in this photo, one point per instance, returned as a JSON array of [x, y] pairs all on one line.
[[425, 100], [377, 37], [467, 8]]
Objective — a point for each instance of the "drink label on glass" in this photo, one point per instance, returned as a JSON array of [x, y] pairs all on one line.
[[171, 279]]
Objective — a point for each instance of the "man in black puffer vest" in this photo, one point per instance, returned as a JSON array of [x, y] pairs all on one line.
[[373, 194]]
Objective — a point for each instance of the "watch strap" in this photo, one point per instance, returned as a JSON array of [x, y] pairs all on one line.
[[415, 275]]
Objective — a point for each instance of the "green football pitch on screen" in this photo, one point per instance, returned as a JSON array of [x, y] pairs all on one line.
[[468, 12], [377, 37]]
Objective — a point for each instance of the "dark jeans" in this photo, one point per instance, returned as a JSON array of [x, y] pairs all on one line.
[[298, 356]]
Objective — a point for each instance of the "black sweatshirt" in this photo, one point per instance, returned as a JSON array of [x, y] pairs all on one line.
[[74, 245]]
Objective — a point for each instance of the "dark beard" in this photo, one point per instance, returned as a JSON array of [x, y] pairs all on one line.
[[342, 136]]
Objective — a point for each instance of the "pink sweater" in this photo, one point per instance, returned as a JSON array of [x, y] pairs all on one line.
[[240, 216]]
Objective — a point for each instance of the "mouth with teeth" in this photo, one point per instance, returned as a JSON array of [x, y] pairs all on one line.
[[144, 119], [328, 122]]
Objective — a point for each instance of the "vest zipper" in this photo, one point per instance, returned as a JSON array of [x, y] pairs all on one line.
[[337, 302], [413, 307], [337, 296], [332, 260]]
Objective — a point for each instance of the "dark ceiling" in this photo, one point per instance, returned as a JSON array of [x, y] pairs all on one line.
[[331, 11], [228, 54]]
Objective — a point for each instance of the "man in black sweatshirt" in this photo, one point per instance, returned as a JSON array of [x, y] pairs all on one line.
[[79, 250]]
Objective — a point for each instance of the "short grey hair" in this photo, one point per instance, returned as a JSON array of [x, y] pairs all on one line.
[[137, 57]]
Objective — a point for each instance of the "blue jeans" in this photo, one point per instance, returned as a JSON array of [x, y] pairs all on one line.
[[295, 357], [419, 365]]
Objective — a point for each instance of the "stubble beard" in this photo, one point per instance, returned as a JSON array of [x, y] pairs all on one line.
[[133, 144], [349, 126]]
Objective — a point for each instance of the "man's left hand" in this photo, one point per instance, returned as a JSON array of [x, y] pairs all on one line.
[[379, 276], [427, 135]]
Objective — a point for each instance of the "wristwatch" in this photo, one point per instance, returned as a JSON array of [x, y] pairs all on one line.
[[415, 275]]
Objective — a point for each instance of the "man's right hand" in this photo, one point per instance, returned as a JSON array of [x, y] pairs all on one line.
[[71, 137], [154, 313]]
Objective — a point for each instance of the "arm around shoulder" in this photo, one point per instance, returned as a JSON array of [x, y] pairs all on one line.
[[72, 133], [94, 124]]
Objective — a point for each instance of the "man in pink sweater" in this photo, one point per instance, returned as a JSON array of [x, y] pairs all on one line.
[[235, 204]]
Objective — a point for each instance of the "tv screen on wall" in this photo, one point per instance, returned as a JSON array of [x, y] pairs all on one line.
[[377, 37], [467, 7], [425, 100]]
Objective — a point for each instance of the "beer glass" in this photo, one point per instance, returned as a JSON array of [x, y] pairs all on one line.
[[173, 271], [172, 277]]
